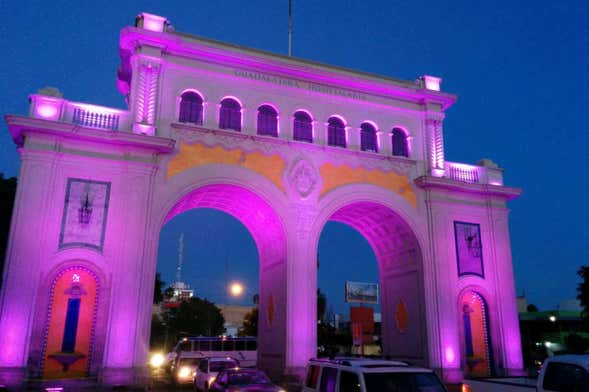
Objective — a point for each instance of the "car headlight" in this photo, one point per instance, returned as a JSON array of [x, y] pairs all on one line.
[[157, 360], [184, 372]]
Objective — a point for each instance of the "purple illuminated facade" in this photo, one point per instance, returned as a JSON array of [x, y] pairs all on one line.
[[284, 146]]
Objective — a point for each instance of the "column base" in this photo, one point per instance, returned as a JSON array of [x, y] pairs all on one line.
[[124, 377], [13, 377], [450, 375], [516, 372]]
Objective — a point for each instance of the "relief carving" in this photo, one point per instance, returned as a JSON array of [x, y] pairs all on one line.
[[302, 177]]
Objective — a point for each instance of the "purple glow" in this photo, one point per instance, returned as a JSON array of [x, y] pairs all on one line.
[[153, 22], [144, 129], [46, 107], [46, 111], [432, 82], [449, 355]]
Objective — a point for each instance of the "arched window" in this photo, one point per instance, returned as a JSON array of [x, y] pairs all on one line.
[[336, 132], [230, 115], [191, 108], [303, 127], [399, 139], [267, 121], [368, 137]]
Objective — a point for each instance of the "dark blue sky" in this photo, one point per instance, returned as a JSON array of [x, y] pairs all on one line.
[[519, 69]]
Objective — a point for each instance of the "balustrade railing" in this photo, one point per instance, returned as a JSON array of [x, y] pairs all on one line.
[[88, 118], [474, 174], [462, 172], [93, 116]]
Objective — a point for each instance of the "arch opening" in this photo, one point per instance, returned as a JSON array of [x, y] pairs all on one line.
[[399, 261], [474, 327], [261, 222]]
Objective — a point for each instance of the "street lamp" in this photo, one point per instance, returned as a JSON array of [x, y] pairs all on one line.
[[552, 319], [236, 289]]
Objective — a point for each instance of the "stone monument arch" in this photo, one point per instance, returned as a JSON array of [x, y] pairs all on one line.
[[282, 144]]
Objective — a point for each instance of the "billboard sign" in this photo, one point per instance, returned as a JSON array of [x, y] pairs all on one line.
[[366, 293]]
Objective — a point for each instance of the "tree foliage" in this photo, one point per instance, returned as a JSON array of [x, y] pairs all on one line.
[[321, 305], [158, 295], [197, 317], [532, 308], [7, 195], [250, 323], [583, 292]]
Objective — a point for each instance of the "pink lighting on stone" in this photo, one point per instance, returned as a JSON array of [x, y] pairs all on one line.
[[144, 129], [47, 111], [449, 355], [432, 82], [48, 108], [153, 22]]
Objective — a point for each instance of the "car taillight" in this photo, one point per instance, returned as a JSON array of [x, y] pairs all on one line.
[[465, 388]]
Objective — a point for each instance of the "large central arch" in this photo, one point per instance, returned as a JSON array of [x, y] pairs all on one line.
[[400, 265], [266, 227]]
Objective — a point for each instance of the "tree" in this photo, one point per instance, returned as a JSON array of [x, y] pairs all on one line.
[[169, 293], [532, 308], [197, 317], [321, 305], [7, 195], [250, 323], [583, 292], [158, 295]]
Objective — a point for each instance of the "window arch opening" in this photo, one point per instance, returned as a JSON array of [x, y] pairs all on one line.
[[400, 145], [267, 121], [302, 127], [191, 108], [368, 137], [336, 132], [230, 115]]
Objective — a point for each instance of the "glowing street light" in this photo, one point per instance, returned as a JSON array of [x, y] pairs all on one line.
[[552, 318], [236, 289]]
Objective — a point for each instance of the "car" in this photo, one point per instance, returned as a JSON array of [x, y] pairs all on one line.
[[564, 373], [184, 369], [233, 380], [368, 375], [208, 369]]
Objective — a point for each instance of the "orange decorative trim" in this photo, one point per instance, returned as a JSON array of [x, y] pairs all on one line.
[[334, 176], [194, 155]]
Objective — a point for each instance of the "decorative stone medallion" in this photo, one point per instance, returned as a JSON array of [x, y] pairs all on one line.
[[302, 177]]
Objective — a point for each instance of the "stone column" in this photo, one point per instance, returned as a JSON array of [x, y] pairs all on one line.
[[301, 280], [25, 253], [440, 282], [353, 138], [134, 261], [145, 92], [505, 296], [435, 143]]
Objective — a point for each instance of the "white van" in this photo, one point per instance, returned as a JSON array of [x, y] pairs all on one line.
[[368, 375], [564, 373]]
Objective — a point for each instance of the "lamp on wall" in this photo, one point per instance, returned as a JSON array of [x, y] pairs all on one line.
[[85, 210]]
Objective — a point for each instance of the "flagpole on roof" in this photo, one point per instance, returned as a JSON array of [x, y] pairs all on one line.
[[289, 28]]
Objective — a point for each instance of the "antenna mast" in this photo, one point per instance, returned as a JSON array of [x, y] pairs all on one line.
[[289, 28], [180, 257]]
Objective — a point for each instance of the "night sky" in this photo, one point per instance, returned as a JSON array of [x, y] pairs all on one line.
[[519, 68]]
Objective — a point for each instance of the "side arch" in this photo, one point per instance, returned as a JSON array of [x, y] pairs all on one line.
[[394, 231], [71, 312]]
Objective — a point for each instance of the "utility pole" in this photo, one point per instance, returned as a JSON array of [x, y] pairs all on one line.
[[289, 28], [180, 258]]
